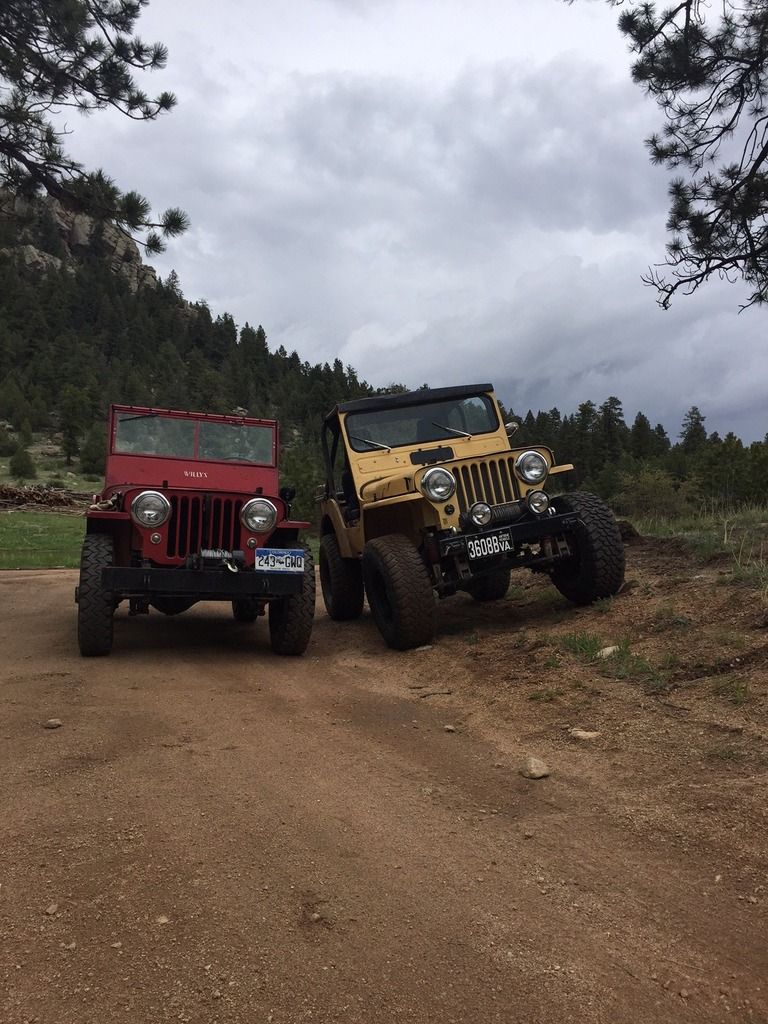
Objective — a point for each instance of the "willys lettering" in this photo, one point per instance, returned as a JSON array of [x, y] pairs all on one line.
[[198, 474]]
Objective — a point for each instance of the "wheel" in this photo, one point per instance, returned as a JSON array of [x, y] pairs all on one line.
[[95, 606], [596, 568], [341, 580], [244, 610], [492, 587], [399, 591], [290, 618]]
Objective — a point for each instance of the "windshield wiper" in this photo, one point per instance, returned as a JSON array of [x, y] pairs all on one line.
[[141, 416], [374, 444], [452, 430]]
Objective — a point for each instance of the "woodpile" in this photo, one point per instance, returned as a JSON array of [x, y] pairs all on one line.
[[39, 498]]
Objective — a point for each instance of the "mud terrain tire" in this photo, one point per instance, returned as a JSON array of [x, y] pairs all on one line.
[[341, 580], [290, 618], [95, 606], [596, 569], [399, 592], [490, 588]]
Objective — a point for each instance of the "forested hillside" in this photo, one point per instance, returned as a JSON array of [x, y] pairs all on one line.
[[76, 333]]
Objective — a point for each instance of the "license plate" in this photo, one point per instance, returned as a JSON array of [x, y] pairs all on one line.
[[489, 546], [279, 560]]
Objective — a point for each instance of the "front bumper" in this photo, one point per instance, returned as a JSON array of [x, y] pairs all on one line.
[[519, 533], [203, 584]]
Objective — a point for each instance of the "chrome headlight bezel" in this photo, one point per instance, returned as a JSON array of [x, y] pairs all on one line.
[[480, 514], [429, 484], [522, 467], [540, 498], [158, 516], [262, 507]]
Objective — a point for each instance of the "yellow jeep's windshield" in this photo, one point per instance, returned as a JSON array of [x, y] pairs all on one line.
[[421, 423]]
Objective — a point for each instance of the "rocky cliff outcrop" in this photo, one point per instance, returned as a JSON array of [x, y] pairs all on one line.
[[68, 238]]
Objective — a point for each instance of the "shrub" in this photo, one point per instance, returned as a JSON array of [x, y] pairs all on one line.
[[652, 492], [22, 465], [7, 444]]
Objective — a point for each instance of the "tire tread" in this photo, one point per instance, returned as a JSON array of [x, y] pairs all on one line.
[[395, 558], [96, 606], [601, 551]]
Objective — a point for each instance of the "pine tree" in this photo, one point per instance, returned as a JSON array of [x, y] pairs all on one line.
[[641, 440], [706, 65], [83, 54], [693, 436], [73, 418], [21, 465]]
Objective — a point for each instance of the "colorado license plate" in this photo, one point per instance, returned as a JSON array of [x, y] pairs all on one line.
[[487, 547], [279, 560]]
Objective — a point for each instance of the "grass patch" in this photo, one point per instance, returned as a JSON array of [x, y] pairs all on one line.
[[586, 645], [545, 696], [624, 664], [740, 535], [733, 688], [667, 617], [40, 540]]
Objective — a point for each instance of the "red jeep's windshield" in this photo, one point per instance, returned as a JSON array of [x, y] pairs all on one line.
[[177, 438]]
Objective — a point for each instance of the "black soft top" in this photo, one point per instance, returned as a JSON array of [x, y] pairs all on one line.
[[409, 398]]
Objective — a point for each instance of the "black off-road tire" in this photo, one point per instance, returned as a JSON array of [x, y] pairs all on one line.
[[95, 606], [244, 610], [399, 592], [490, 588], [596, 569], [341, 580], [290, 618]]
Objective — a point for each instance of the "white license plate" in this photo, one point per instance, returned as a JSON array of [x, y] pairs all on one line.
[[279, 560], [487, 547]]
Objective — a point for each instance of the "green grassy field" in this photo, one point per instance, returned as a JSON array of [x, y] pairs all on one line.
[[40, 540]]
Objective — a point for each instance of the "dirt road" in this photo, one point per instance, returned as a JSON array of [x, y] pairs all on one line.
[[218, 834]]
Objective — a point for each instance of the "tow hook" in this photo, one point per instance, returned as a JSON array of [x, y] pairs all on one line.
[[231, 565]]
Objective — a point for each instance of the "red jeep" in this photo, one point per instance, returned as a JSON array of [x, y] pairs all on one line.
[[190, 512]]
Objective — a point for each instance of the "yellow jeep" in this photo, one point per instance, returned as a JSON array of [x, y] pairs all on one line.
[[425, 494]]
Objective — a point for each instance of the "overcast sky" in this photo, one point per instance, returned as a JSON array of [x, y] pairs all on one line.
[[441, 191]]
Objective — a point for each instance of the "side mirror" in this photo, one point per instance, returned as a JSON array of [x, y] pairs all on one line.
[[287, 494], [511, 428]]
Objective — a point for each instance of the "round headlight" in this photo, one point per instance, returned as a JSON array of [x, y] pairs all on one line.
[[531, 467], [150, 508], [537, 501], [480, 513], [438, 484], [258, 515]]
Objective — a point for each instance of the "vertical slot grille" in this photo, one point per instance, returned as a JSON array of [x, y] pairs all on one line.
[[490, 480], [203, 522]]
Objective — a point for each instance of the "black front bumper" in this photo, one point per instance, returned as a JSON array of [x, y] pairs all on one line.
[[519, 532], [203, 584]]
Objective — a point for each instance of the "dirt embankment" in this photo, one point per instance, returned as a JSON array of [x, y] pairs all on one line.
[[216, 834]]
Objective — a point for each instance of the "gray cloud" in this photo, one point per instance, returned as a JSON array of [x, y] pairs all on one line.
[[492, 221]]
